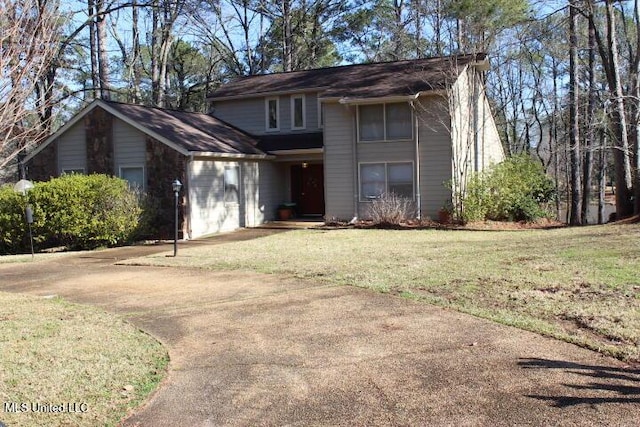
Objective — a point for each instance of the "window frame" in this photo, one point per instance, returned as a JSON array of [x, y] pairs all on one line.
[[303, 103], [134, 166], [69, 171], [224, 184], [320, 114], [385, 137], [267, 121], [386, 178]]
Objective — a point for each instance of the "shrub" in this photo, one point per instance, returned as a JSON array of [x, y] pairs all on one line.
[[391, 210], [514, 190], [13, 227], [76, 211]]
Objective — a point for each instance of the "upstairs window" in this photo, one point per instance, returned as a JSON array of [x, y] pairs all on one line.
[[298, 112], [385, 122], [272, 113]]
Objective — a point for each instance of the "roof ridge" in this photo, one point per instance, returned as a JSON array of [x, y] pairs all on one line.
[[361, 64], [154, 107]]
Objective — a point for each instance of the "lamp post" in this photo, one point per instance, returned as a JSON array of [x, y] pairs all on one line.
[[176, 185], [23, 186]]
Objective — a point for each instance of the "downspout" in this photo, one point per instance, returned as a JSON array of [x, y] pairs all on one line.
[[354, 156], [476, 124], [418, 192], [186, 230]]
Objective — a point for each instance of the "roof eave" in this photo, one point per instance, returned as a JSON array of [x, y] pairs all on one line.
[[298, 151], [246, 95]]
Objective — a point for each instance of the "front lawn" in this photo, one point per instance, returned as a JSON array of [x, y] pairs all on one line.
[[577, 284], [62, 364]]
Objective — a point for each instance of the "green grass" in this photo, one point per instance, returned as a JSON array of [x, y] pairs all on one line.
[[577, 284], [54, 352]]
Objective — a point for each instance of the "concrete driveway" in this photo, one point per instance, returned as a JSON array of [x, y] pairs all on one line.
[[252, 349]]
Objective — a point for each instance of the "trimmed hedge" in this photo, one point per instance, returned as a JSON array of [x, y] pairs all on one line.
[[514, 190], [76, 211]]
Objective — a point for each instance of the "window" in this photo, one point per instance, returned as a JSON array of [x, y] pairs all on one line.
[[320, 114], [134, 175], [272, 113], [231, 184], [298, 112], [379, 178], [72, 170], [371, 122], [385, 122]]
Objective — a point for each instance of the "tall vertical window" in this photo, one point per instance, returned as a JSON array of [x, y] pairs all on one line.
[[298, 112], [379, 178], [320, 114], [272, 113], [232, 184], [385, 122]]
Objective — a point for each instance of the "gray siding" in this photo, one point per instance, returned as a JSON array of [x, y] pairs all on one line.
[[435, 150], [262, 191], [272, 188], [249, 114], [129, 146], [72, 149], [340, 189], [435, 155], [492, 150]]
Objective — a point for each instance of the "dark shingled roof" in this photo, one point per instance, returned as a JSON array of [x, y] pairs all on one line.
[[374, 80], [192, 131], [298, 141]]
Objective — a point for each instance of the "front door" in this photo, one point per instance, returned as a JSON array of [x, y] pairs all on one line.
[[307, 188]]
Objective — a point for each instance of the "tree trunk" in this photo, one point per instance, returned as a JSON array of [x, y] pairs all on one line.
[[622, 159], [136, 57], [287, 37], [602, 176], [589, 140], [574, 126], [93, 49], [155, 52], [103, 58]]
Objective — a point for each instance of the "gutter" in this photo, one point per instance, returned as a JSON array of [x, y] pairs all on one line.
[[418, 187], [213, 154], [380, 99]]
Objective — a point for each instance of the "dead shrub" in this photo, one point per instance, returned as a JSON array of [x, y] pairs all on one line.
[[391, 210]]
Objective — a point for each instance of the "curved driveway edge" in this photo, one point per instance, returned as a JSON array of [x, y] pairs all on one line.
[[251, 349]]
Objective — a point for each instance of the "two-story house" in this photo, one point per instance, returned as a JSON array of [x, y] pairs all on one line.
[[329, 140]]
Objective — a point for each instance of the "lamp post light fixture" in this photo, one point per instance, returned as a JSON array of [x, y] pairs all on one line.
[[176, 185], [23, 186]]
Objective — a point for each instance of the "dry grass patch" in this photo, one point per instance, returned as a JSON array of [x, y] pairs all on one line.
[[92, 363], [578, 284]]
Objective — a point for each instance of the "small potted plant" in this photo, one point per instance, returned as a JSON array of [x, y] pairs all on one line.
[[445, 213], [285, 211]]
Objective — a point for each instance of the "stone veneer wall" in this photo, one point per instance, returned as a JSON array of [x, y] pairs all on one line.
[[44, 165], [98, 126], [164, 164]]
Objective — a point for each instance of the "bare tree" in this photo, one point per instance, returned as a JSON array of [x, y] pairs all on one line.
[[29, 33], [574, 99]]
